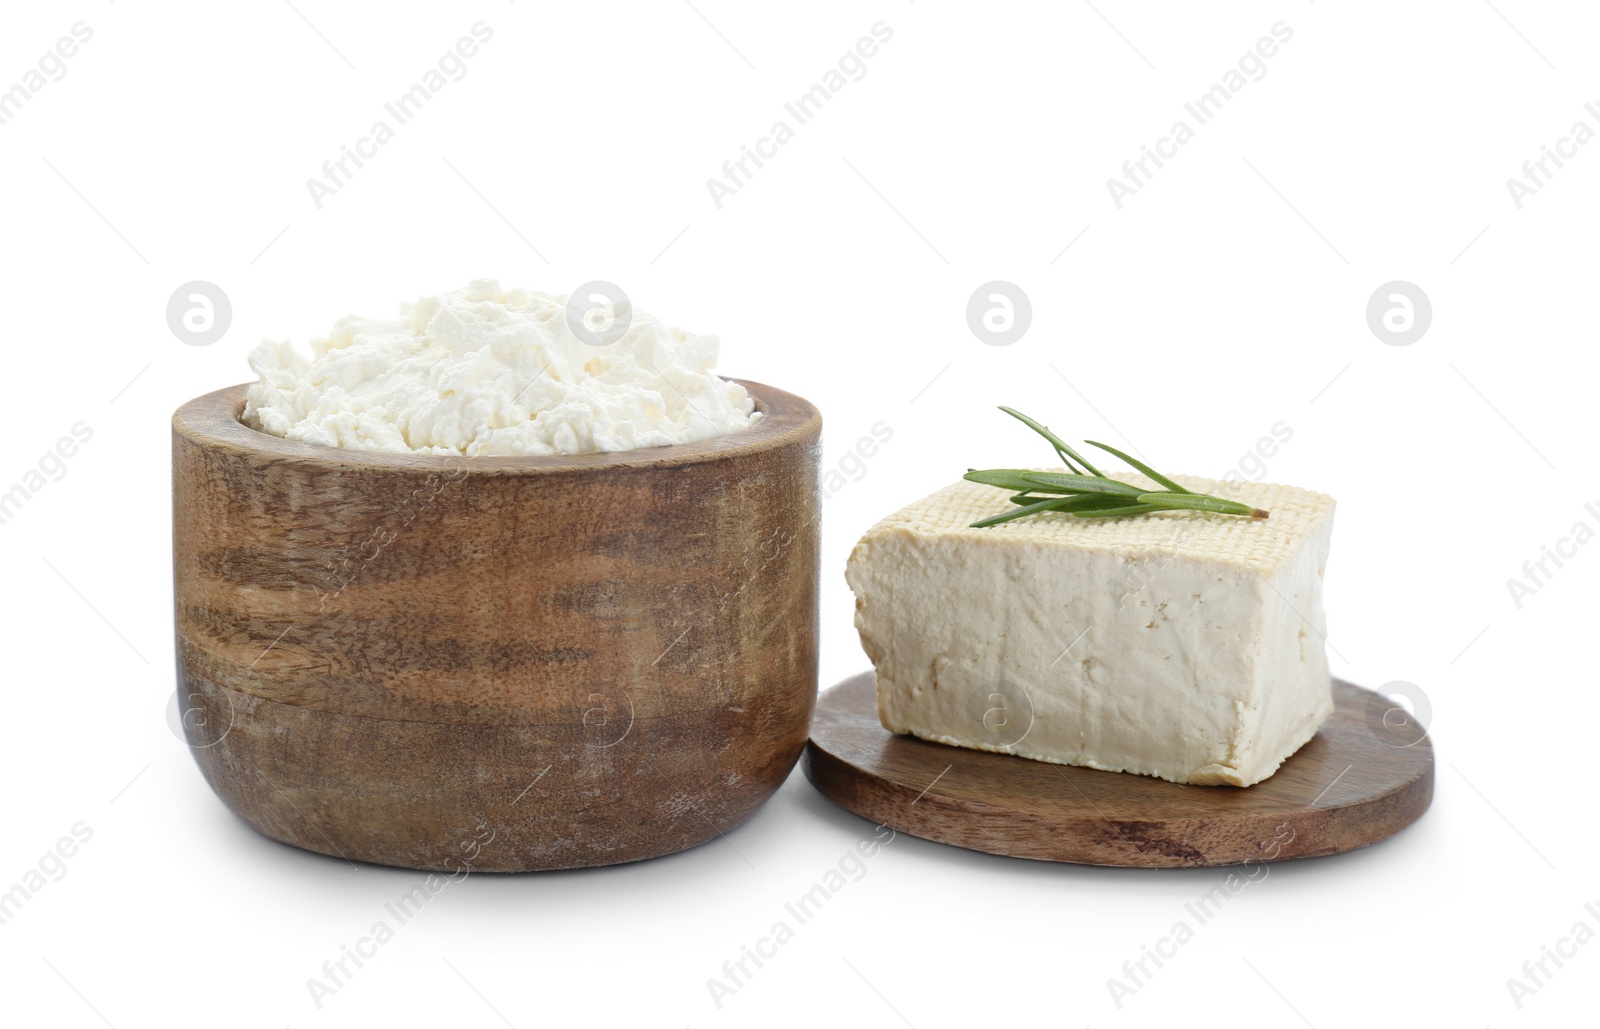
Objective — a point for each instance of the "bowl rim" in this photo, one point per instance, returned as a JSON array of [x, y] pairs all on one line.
[[212, 421]]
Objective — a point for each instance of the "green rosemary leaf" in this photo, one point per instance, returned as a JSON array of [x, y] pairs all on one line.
[[1078, 501], [1116, 512], [1200, 502], [1049, 504], [1093, 495], [1008, 478], [1068, 455], [1141, 466], [1058, 483]]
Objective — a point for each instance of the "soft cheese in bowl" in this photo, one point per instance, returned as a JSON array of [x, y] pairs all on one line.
[[485, 372], [1187, 645], [468, 589]]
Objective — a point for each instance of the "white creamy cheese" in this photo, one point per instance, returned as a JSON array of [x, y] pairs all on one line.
[[491, 371], [1182, 645]]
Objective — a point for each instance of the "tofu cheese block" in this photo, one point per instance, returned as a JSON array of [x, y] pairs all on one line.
[[1183, 645]]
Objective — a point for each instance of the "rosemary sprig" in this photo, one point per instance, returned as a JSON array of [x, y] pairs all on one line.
[[1084, 492]]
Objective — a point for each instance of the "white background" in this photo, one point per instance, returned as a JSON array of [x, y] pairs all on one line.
[[1225, 296]]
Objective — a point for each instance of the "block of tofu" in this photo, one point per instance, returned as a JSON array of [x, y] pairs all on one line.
[[1183, 645]]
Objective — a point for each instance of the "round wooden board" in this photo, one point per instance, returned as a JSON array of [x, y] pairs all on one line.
[[1363, 778]]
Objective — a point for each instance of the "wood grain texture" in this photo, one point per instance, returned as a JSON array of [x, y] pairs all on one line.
[[519, 663], [1363, 778]]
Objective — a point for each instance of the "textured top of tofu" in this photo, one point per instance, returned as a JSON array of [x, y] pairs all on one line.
[[1260, 544]]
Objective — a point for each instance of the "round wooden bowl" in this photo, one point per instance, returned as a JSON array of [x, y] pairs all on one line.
[[500, 663]]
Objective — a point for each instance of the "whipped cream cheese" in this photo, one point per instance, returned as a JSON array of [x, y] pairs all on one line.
[[487, 371]]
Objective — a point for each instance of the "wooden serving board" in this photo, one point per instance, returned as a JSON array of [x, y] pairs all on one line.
[[1364, 777]]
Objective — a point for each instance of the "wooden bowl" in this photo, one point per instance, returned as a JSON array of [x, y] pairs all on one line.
[[503, 663]]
